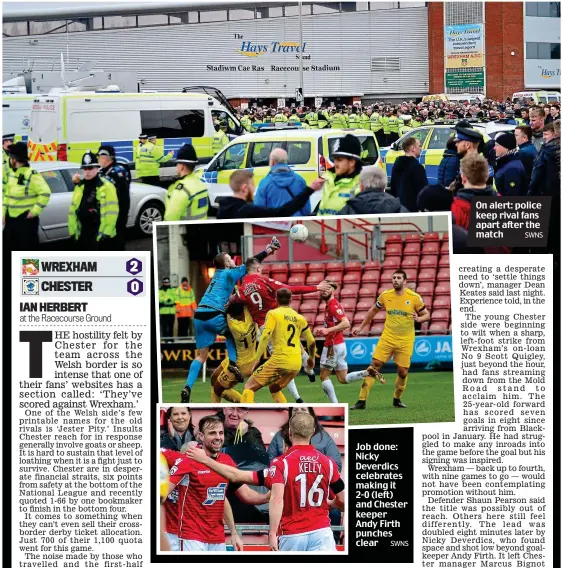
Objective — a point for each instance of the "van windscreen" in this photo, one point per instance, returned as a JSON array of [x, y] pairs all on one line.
[[173, 123]]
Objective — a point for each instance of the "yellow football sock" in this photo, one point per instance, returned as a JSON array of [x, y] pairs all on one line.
[[247, 396], [279, 397], [400, 386], [231, 395], [366, 387], [215, 397]]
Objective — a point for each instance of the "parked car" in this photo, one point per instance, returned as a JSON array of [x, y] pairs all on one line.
[[147, 202]]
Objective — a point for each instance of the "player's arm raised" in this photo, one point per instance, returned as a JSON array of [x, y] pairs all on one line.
[[230, 473], [369, 316], [276, 511], [229, 520], [311, 345], [274, 246]]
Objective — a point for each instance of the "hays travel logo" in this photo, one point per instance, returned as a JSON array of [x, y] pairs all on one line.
[[254, 49]]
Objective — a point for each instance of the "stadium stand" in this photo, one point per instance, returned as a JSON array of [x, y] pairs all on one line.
[[424, 258]]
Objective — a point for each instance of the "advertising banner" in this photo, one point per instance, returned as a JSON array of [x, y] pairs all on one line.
[[465, 79], [464, 46]]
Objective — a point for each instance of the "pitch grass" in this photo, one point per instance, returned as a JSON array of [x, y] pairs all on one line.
[[429, 397]]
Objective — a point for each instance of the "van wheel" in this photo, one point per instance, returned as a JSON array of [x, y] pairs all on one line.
[[150, 212]]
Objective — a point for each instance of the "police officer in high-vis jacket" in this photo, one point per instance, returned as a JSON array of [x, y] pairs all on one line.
[[120, 176], [94, 209], [24, 196], [148, 158], [7, 140], [342, 182], [187, 197], [220, 138]]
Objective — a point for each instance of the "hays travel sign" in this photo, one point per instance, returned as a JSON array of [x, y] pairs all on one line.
[[254, 49]]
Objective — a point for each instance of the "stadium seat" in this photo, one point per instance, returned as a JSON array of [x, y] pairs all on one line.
[[393, 249], [387, 277], [430, 261], [368, 291], [411, 285], [445, 247], [413, 238], [445, 237], [376, 328], [431, 247], [410, 262], [353, 266], [353, 277], [309, 306], [317, 267], [336, 276], [279, 272], [349, 292], [297, 268], [313, 296], [380, 316], [424, 328], [412, 249], [442, 289], [440, 315], [359, 317], [391, 262], [372, 265], [393, 239], [382, 289], [427, 300], [295, 304], [444, 261], [425, 288], [315, 278], [438, 328], [427, 275], [335, 267], [364, 305], [348, 305], [320, 320], [296, 280], [428, 237], [442, 302], [412, 274], [266, 268], [310, 319], [370, 277], [443, 274]]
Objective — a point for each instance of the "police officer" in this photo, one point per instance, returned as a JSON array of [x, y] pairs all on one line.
[[294, 116], [376, 126], [7, 140], [406, 125], [120, 176], [280, 117], [24, 196], [337, 120], [354, 118], [167, 309], [364, 120], [148, 158], [393, 126], [246, 121], [187, 197], [312, 118], [220, 138], [343, 180], [94, 208], [385, 122], [324, 118]]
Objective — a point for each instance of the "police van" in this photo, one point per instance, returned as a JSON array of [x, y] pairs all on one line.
[[309, 151], [67, 123], [537, 97], [16, 115]]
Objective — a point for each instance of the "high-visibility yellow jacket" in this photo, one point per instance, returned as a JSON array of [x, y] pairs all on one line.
[[336, 193], [219, 141], [106, 195], [148, 158], [167, 301], [375, 122], [187, 198], [24, 191], [185, 302]]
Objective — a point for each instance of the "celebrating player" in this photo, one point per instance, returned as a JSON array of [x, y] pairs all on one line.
[[258, 294], [209, 318], [243, 329], [284, 326], [202, 494], [404, 307], [299, 480]]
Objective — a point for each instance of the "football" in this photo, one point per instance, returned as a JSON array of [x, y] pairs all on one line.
[[299, 233]]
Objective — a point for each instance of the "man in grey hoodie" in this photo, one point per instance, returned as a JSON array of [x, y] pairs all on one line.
[[372, 197]]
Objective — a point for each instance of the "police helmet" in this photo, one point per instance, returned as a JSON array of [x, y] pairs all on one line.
[[18, 151], [90, 160], [107, 151], [187, 155], [348, 147]]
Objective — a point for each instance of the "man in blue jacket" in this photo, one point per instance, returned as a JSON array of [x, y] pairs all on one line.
[[281, 185], [526, 150], [510, 177]]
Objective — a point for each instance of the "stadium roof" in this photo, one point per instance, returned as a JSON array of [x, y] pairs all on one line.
[[34, 11]]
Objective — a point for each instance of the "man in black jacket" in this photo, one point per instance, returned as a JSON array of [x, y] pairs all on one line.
[[408, 176], [372, 197], [240, 206]]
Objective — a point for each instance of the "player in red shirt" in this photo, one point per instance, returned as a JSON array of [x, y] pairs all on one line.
[[258, 294], [202, 502], [170, 504], [300, 481]]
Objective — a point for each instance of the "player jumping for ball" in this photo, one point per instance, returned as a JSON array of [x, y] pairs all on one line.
[[209, 318], [284, 327], [299, 481], [404, 307], [333, 357]]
